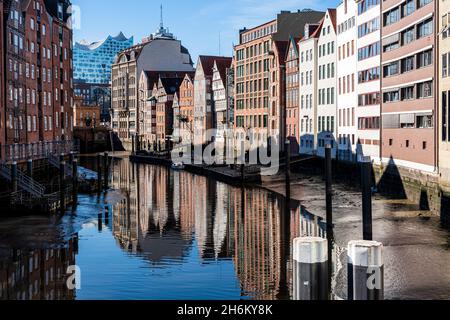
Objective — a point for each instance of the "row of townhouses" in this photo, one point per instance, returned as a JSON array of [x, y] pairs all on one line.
[[36, 90], [369, 77]]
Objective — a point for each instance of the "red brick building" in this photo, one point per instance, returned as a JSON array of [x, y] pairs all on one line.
[[292, 96], [36, 88], [166, 90], [187, 109]]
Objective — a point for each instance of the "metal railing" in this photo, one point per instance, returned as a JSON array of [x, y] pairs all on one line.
[[55, 162], [37, 150], [24, 182]]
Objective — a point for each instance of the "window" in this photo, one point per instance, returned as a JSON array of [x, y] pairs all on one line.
[[424, 59], [424, 121], [408, 36], [424, 28], [392, 96], [424, 90], [444, 65], [407, 93], [369, 99], [390, 69], [392, 16], [409, 7], [407, 64]]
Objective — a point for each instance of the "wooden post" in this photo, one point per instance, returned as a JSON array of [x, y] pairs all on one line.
[[310, 269], [75, 181], [62, 184], [366, 181], [105, 171], [99, 172], [14, 185], [30, 168], [288, 168], [365, 271]]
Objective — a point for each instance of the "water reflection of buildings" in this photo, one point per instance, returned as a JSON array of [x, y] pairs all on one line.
[[37, 274], [164, 214]]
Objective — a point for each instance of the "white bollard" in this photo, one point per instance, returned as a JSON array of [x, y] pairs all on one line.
[[365, 270], [310, 269]]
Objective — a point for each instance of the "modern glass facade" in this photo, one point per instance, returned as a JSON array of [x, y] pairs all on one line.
[[92, 62]]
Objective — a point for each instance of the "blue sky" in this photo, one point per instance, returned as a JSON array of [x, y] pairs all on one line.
[[197, 23]]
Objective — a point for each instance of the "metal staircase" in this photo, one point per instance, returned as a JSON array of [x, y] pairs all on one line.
[[24, 182], [55, 162]]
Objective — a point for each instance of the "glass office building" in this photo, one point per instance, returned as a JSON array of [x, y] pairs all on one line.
[[92, 62]]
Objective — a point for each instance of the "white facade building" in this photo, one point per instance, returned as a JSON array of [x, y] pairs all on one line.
[[327, 93], [368, 114], [308, 55], [347, 101]]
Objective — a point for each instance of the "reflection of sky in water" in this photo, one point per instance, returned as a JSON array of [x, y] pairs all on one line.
[[175, 235], [110, 273]]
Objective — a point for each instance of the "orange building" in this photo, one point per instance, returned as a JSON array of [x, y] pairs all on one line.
[[292, 96], [260, 60], [85, 116], [187, 109]]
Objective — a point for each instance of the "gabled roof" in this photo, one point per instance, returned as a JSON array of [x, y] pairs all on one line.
[[222, 66], [332, 14], [317, 29], [281, 47], [152, 77], [207, 63], [292, 42], [170, 85]]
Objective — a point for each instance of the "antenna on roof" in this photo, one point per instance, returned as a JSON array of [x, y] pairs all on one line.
[[161, 25], [220, 42]]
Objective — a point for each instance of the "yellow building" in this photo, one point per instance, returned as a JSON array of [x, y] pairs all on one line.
[[444, 93]]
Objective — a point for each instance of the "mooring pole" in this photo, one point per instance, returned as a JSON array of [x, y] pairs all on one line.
[[62, 185], [107, 215], [329, 186], [75, 181], [288, 168], [14, 176], [100, 222], [99, 172], [105, 170], [365, 271], [310, 269], [30, 168], [366, 180]]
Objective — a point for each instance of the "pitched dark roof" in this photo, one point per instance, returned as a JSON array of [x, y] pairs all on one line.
[[293, 23], [222, 66], [281, 47], [171, 85], [207, 63], [154, 76], [332, 13]]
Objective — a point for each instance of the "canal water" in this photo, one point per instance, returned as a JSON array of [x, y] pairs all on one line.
[[163, 234]]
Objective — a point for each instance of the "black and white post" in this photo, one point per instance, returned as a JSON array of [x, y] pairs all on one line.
[[365, 271], [329, 186], [366, 185], [310, 269]]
